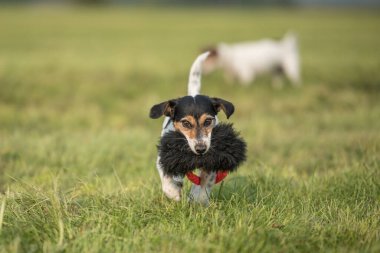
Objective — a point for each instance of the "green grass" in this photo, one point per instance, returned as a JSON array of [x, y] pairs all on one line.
[[77, 149]]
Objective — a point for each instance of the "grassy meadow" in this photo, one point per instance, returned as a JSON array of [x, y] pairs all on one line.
[[77, 149]]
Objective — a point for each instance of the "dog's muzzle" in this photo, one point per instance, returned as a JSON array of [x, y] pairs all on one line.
[[200, 148]]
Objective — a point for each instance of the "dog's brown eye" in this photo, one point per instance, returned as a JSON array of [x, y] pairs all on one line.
[[186, 124], [207, 122]]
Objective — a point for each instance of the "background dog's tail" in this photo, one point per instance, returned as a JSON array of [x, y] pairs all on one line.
[[194, 86]]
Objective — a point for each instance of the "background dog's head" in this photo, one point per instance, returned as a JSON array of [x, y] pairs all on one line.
[[211, 63], [194, 117]]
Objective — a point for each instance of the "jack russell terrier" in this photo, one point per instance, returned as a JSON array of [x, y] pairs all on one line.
[[194, 116], [246, 61]]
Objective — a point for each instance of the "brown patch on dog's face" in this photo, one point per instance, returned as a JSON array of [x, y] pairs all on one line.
[[197, 131], [187, 126], [206, 123]]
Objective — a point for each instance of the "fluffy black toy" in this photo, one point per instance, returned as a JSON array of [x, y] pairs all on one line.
[[227, 151]]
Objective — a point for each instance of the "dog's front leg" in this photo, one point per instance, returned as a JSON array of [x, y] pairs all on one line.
[[201, 193], [246, 76], [171, 185]]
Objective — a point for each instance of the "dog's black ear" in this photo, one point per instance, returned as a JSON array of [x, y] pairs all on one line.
[[227, 107], [164, 108]]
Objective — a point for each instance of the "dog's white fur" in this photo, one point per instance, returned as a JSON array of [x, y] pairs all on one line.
[[245, 61], [172, 186]]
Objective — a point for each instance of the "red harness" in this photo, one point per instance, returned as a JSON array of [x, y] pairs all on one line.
[[220, 175]]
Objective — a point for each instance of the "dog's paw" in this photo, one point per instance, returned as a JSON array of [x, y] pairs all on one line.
[[172, 188], [200, 195], [172, 193]]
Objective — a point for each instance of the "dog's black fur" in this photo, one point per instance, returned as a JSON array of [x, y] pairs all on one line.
[[227, 152]]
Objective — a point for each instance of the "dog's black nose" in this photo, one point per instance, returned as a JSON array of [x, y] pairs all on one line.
[[200, 148]]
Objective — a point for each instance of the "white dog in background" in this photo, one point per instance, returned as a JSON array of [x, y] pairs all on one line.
[[245, 61]]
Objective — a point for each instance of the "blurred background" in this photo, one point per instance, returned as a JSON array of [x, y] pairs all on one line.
[[213, 2], [77, 80]]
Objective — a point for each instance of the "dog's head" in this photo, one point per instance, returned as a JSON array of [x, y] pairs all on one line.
[[194, 117]]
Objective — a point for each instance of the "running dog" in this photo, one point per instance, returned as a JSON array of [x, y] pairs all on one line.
[[246, 61], [194, 116]]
